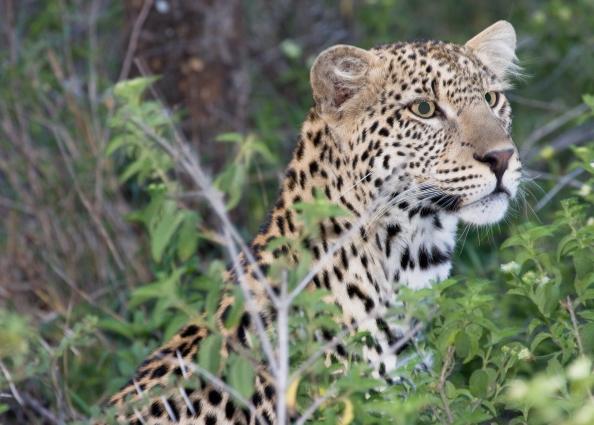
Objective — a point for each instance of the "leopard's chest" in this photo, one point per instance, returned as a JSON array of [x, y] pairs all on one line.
[[414, 253]]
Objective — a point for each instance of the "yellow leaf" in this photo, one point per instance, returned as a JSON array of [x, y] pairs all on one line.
[[348, 414], [292, 394]]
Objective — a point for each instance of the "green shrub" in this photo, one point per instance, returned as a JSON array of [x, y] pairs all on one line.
[[514, 348], [126, 262]]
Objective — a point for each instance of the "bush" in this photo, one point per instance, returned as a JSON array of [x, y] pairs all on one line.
[[514, 348], [109, 244]]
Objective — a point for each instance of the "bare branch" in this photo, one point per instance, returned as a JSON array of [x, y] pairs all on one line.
[[568, 304], [41, 410], [250, 304], [410, 334], [570, 308], [282, 323], [535, 103], [443, 376], [137, 27], [563, 181], [315, 405], [11, 384], [549, 128]]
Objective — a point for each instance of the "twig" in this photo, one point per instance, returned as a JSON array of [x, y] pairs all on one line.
[[252, 309], [146, 7], [537, 104], [410, 334], [103, 233], [10, 204], [42, 411], [88, 298], [541, 175], [572, 137], [552, 126], [446, 369], [563, 181], [11, 385], [569, 306], [314, 406], [323, 349], [282, 320], [221, 385]]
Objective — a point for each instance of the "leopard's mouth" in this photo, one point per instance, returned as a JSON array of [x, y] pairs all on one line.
[[499, 193], [498, 199], [489, 209]]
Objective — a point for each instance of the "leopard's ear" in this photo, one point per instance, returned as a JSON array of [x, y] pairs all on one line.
[[339, 76], [496, 48]]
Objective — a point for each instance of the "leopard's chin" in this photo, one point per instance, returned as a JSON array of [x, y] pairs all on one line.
[[488, 210]]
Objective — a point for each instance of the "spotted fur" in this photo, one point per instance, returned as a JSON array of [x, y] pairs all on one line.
[[407, 182]]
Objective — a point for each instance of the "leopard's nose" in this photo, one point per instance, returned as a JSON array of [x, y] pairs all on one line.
[[496, 160]]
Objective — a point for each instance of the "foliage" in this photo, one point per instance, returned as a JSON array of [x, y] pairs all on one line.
[[488, 363], [510, 344]]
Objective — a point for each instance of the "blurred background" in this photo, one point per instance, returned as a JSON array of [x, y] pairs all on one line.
[[71, 253]]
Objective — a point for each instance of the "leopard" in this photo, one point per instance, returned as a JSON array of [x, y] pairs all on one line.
[[412, 139]]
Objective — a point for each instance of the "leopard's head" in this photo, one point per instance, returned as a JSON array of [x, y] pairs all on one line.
[[427, 115]]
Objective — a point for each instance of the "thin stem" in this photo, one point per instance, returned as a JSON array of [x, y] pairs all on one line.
[[250, 304], [314, 406], [570, 308], [282, 377], [443, 376], [563, 181], [134, 36]]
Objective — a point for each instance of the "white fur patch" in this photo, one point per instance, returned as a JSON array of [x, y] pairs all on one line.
[[488, 210]]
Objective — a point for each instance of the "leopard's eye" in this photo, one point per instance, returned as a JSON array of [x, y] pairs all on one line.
[[492, 97], [423, 108]]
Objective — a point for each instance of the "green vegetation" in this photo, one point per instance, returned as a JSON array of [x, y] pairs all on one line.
[[109, 243]]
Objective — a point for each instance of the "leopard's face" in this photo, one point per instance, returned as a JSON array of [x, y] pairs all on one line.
[[431, 118], [444, 130]]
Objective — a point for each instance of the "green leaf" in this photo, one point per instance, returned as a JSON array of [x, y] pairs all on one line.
[[263, 151], [462, 344], [241, 375], [538, 340], [589, 100], [479, 383], [587, 334], [117, 326], [209, 356], [230, 138], [231, 181], [131, 90], [583, 262], [165, 289], [164, 229], [291, 49], [188, 236], [234, 314], [450, 390], [115, 144], [212, 301], [587, 314], [174, 324]]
